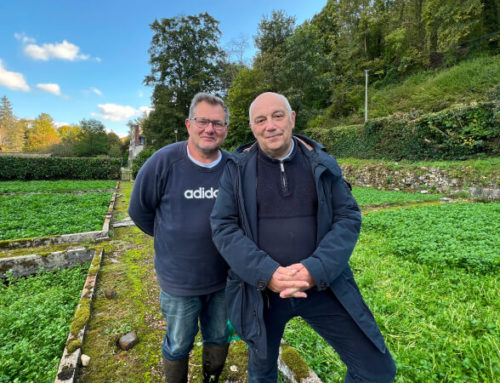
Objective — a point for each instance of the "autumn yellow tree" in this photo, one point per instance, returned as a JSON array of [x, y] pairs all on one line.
[[69, 131], [42, 135], [69, 135]]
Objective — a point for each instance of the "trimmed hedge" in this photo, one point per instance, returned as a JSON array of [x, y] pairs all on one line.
[[51, 168], [457, 133], [141, 158]]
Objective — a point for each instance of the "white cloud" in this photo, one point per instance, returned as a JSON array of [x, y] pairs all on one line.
[[58, 124], [62, 51], [98, 59], [12, 80], [119, 113], [115, 112], [22, 37], [96, 91], [51, 88], [146, 110]]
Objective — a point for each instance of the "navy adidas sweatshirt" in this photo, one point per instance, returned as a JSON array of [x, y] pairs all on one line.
[[171, 200]]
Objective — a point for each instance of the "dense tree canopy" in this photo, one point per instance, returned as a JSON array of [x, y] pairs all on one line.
[[92, 139], [319, 65]]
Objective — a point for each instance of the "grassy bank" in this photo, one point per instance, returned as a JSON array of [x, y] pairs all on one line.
[[431, 91], [469, 81]]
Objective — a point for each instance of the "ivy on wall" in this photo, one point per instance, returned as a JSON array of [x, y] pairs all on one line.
[[457, 133]]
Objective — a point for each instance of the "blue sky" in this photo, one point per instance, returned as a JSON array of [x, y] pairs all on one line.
[[88, 58]]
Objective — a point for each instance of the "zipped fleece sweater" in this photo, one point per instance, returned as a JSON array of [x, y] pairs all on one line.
[[286, 207], [234, 224], [171, 201]]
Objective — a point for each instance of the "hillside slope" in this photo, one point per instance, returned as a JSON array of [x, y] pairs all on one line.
[[430, 91]]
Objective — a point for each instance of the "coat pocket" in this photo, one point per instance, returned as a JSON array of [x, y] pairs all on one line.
[[235, 304], [244, 309]]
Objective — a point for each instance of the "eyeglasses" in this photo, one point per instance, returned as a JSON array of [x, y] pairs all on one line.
[[217, 125]]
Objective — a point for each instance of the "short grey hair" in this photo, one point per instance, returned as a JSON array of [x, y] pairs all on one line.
[[209, 99], [287, 104]]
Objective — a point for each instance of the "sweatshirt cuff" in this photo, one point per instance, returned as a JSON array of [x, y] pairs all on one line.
[[315, 268]]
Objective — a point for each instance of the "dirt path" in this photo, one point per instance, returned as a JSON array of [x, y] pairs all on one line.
[[128, 271]]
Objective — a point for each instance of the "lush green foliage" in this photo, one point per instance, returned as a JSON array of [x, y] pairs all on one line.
[[36, 215], [247, 85], [319, 65], [185, 59], [439, 316], [434, 90], [24, 168], [92, 139], [54, 186], [460, 235], [34, 322], [441, 325], [141, 158], [369, 196], [451, 134]]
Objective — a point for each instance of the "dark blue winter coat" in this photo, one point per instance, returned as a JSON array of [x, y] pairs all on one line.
[[234, 231]]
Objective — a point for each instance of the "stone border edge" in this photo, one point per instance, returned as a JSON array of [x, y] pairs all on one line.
[[30, 264], [69, 361], [294, 367]]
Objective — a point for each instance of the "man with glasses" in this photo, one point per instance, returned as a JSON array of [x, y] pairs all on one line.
[[173, 195], [286, 223]]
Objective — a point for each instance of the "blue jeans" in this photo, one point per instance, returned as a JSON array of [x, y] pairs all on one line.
[[325, 314], [182, 314]]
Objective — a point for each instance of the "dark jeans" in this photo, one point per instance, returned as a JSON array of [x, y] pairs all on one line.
[[182, 315], [324, 313]]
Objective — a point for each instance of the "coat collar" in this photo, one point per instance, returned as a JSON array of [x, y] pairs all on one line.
[[306, 142]]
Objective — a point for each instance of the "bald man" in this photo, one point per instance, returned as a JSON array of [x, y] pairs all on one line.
[[286, 223]]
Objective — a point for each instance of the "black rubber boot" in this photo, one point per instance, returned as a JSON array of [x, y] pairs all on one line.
[[213, 357], [176, 371]]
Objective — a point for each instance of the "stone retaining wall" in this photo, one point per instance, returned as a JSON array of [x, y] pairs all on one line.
[[421, 179], [25, 265]]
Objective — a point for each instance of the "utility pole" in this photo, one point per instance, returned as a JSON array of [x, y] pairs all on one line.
[[366, 94]]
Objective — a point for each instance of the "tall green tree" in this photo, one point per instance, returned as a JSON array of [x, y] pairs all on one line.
[[247, 85], [450, 25], [185, 59], [306, 71], [92, 140], [272, 34], [11, 131], [114, 145]]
